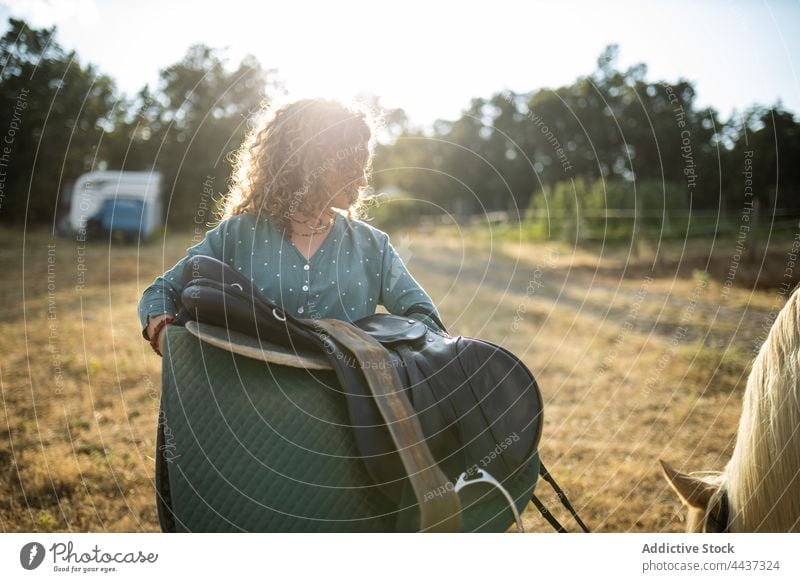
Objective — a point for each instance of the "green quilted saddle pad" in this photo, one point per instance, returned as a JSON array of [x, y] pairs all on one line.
[[257, 447]]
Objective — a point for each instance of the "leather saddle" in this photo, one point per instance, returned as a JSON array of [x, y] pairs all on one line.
[[427, 410]]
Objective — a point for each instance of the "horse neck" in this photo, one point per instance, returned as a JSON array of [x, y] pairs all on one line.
[[763, 475]]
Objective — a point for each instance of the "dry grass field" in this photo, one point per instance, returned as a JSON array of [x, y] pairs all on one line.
[[635, 364]]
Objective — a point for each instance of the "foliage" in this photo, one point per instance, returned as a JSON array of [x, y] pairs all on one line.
[[185, 128], [612, 126], [51, 121], [579, 210], [610, 140]]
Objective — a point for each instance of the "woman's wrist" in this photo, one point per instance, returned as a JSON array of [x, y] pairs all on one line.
[[159, 323], [152, 322]]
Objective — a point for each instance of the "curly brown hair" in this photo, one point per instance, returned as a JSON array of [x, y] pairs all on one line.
[[297, 158]]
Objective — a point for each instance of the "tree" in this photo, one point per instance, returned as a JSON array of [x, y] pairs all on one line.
[[52, 119], [196, 118]]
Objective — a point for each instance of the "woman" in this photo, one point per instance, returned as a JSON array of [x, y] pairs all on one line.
[[291, 224]]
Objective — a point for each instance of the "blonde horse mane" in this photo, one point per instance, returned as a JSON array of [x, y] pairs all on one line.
[[763, 476]]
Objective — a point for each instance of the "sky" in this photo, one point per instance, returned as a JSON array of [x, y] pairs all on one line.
[[431, 58]]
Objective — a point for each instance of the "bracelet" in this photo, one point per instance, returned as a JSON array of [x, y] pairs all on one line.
[[157, 332]]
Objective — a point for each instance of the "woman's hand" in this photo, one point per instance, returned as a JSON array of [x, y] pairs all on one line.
[[151, 326]]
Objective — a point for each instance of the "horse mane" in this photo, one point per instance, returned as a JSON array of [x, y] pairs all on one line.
[[763, 475]]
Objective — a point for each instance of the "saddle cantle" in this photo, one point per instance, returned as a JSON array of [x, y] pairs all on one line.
[[423, 407]]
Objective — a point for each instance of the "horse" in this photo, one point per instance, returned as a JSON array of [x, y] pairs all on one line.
[[759, 490]]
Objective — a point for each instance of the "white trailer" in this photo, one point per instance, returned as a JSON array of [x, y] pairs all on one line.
[[117, 202]]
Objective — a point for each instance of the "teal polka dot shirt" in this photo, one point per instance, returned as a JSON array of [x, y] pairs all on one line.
[[355, 270]]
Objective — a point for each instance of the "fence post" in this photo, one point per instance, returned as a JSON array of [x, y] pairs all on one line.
[[752, 251]]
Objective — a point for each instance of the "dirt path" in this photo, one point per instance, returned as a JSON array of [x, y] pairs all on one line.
[[603, 297]]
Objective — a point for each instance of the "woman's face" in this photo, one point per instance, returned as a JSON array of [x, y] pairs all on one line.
[[346, 191]]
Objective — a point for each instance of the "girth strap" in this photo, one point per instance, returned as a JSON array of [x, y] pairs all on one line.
[[440, 509], [564, 501], [545, 513]]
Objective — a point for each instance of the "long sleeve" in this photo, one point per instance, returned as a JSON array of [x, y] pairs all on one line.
[[164, 293], [401, 294]]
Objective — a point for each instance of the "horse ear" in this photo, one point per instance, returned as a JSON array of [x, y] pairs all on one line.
[[693, 491]]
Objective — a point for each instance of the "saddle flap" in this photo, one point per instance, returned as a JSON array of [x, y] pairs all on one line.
[[504, 406], [389, 329]]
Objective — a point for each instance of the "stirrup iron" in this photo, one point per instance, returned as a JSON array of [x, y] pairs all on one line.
[[485, 477]]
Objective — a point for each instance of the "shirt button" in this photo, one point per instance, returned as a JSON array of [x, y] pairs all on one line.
[[305, 287], [306, 267], [300, 309]]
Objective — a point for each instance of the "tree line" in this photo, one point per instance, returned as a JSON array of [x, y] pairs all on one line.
[[642, 144], [75, 121], [611, 139]]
